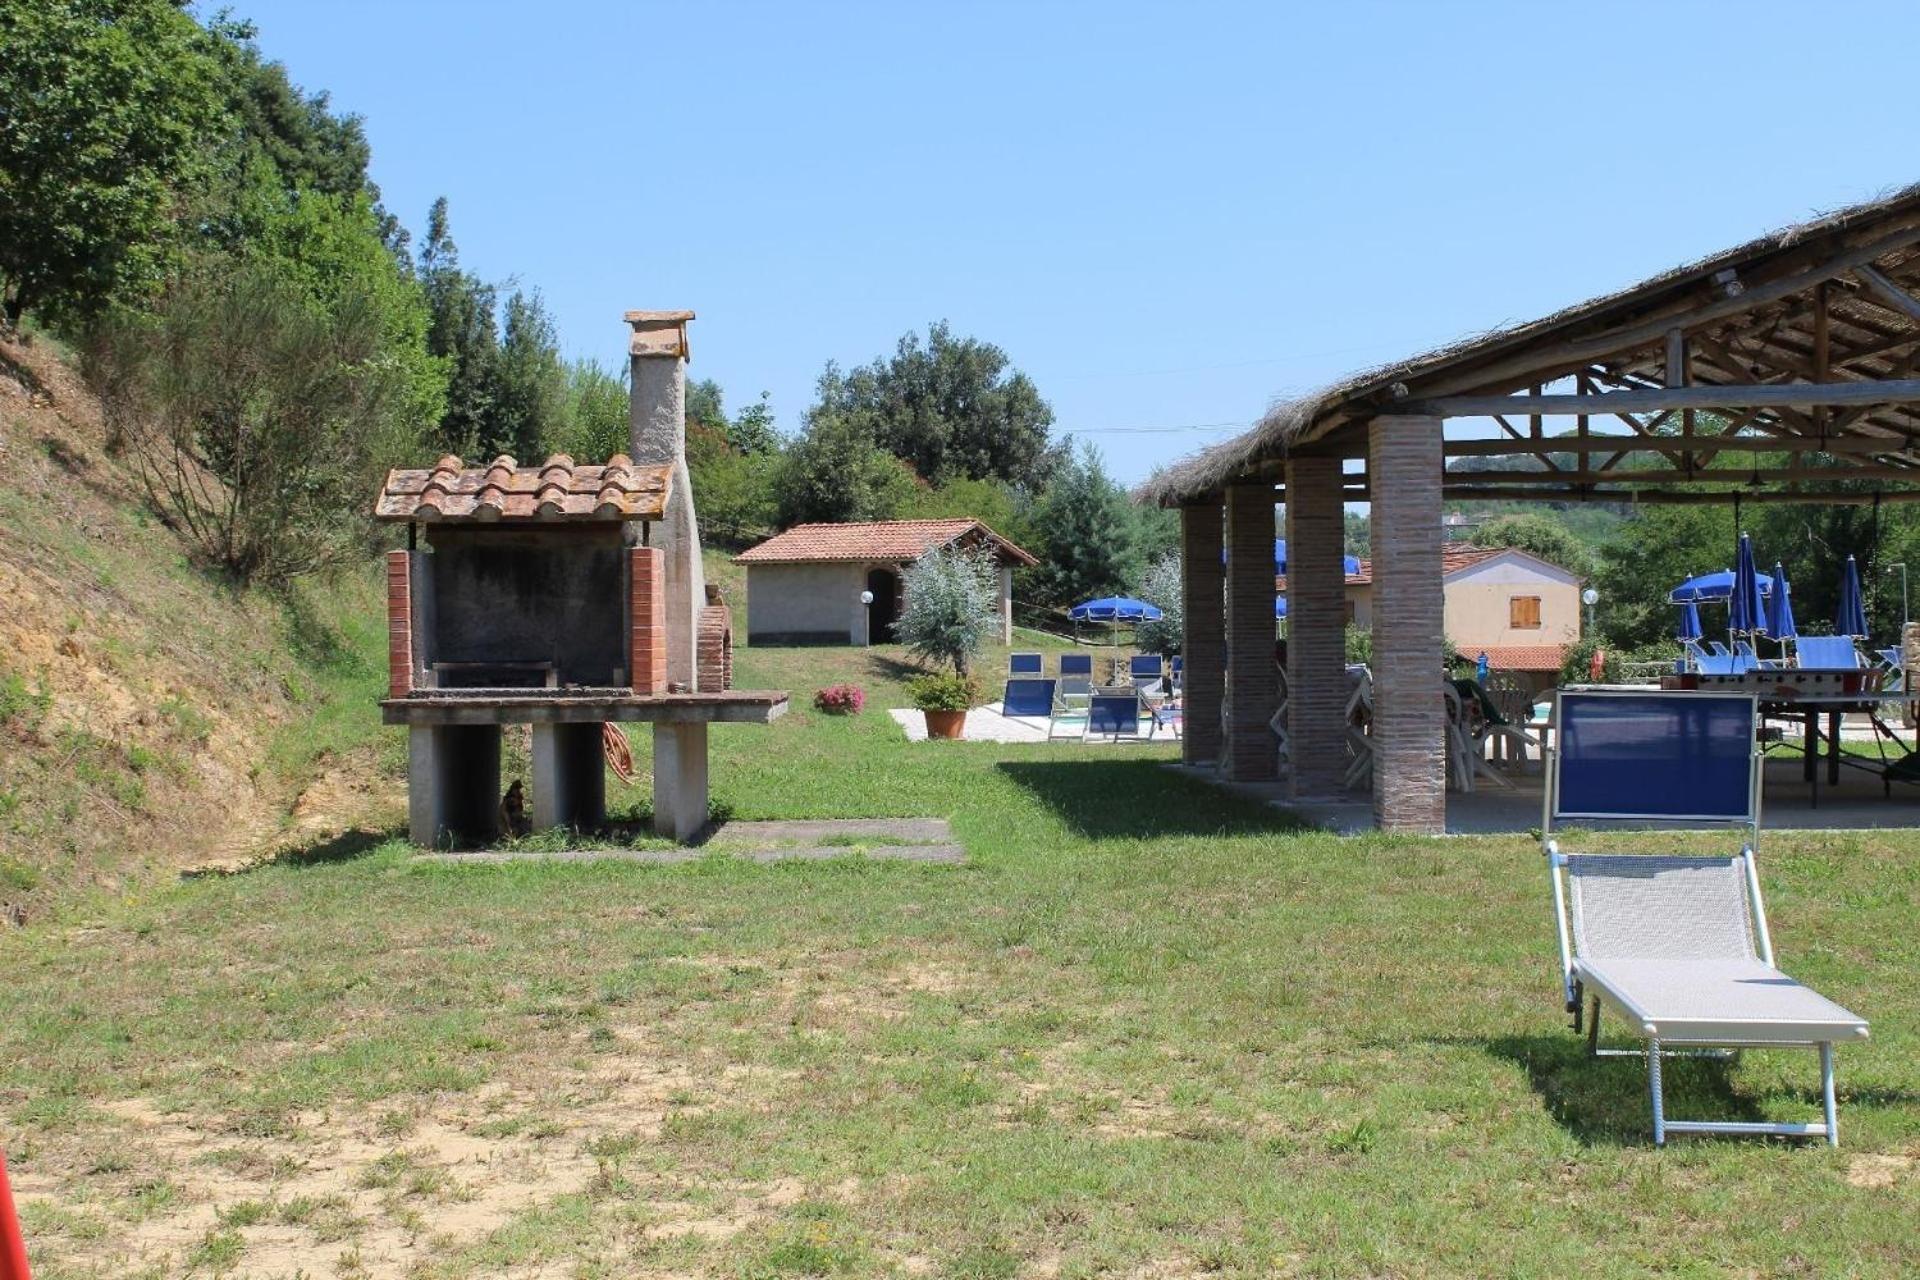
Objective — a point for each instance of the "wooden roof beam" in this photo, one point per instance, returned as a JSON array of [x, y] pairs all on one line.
[[1783, 395], [1684, 498], [1887, 291]]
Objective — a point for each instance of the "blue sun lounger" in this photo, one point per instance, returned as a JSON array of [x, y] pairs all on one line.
[[1114, 712], [1026, 664], [1027, 696]]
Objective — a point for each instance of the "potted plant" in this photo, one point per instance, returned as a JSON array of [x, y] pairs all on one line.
[[945, 698], [951, 606]]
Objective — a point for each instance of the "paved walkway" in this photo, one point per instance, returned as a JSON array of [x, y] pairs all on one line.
[[1786, 804], [986, 724]]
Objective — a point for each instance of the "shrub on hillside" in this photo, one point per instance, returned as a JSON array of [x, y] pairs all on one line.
[[259, 422]]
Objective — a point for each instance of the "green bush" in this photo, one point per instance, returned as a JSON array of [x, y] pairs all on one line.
[[943, 691]]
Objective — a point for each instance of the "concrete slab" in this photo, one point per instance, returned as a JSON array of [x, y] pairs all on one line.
[[875, 830], [944, 854]]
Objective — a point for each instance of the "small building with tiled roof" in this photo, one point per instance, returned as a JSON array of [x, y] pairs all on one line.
[[843, 583], [1523, 612]]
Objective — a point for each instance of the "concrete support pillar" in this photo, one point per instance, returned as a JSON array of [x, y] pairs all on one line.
[[680, 780], [1404, 466], [1253, 686], [453, 784], [1203, 640], [1316, 627], [657, 429], [569, 777]]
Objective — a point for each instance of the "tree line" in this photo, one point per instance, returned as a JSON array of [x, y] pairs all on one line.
[[266, 338]]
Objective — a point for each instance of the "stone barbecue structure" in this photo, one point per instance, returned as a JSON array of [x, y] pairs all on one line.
[[568, 597]]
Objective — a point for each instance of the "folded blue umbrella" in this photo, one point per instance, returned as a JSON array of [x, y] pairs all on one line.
[[1746, 611], [1780, 607], [1850, 619], [1689, 622], [1279, 606]]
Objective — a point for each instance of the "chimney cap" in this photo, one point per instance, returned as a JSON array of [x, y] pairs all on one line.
[[659, 333]]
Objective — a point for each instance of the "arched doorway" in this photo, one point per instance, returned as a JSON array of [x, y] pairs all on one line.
[[884, 610]]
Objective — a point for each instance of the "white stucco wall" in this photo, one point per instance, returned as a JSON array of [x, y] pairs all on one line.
[[806, 599]]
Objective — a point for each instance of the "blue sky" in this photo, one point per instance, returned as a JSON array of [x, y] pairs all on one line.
[[1167, 214]]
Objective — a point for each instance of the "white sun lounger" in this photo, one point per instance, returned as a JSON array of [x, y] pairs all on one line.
[[1676, 945]]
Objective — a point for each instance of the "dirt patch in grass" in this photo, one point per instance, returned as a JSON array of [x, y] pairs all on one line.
[[386, 1193]]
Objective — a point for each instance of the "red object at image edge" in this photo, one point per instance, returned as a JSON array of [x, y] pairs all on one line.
[[13, 1249]]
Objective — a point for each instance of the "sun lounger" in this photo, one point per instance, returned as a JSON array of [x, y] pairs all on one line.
[[1028, 697], [1076, 680], [1677, 946], [1114, 711], [1026, 664], [1827, 653], [1144, 670]]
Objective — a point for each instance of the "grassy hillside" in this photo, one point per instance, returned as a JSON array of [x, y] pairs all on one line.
[[152, 717]]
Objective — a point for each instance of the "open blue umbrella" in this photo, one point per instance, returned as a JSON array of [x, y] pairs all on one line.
[[1780, 607], [1746, 611], [1114, 609], [1710, 587], [1350, 563], [1850, 619], [1689, 622]]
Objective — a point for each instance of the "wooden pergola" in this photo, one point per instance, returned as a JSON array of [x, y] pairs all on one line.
[[1803, 345]]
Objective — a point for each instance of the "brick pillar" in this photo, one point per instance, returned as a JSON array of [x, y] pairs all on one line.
[[399, 624], [646, 620], [1316, 626], [1253, 686], [1404, 466], [1203, 642]]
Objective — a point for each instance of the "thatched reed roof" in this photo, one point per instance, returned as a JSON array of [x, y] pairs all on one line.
[[1860, 333]]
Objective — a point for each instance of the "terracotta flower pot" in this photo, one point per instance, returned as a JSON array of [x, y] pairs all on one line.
[[946, 724]]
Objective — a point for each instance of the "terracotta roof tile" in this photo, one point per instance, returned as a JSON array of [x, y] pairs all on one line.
[[504, 490], [883, 540], [1521, 657]]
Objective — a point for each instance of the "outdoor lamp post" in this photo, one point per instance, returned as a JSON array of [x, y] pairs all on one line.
[[1589, 598], [866, 599], [1906, 615]]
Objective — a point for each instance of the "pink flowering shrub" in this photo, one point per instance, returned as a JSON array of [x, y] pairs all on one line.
[[840, 699]]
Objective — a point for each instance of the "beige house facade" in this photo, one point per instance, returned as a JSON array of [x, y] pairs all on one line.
[[1523, 612], [845, 584]]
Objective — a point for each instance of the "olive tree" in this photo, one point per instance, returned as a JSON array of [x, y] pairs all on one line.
[[1160, 586], [951, 607]]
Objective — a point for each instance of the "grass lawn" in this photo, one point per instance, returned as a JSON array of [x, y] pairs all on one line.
[[1148, 1030]]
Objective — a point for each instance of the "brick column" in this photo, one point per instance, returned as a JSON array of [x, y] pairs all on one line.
[[1316, 626], [646, 620], [1203, 640], [399, 624], [1404, 466], [1253, 687]]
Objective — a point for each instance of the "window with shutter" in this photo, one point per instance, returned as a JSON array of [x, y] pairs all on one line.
[[1523, 613]]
